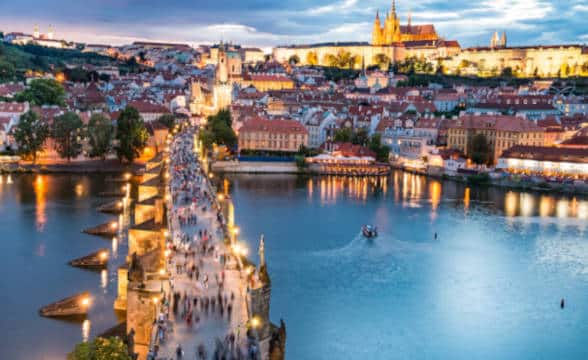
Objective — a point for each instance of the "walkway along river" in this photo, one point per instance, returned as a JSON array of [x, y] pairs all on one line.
[[191, 291]]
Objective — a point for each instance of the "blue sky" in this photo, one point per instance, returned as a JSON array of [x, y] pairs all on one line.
[[270, 22]]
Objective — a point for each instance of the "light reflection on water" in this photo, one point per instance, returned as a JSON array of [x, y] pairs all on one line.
[[483, 290]]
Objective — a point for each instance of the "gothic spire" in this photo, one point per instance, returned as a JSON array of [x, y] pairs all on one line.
[[394, 7]]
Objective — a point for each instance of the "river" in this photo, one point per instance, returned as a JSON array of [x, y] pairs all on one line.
[[489, 287]]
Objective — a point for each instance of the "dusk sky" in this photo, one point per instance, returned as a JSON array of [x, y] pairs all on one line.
[[271, 22]]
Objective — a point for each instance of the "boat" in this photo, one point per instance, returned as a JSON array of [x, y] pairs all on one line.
[[369, 231]]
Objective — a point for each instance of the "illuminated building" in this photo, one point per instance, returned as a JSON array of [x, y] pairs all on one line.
[[501, 132], [272, 135], [392, 31], [547, 161]]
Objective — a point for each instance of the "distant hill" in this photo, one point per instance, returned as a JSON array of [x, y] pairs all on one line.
[[38, 58]]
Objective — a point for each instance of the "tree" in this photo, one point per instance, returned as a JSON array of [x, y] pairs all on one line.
[[112, 348], [312, 58], [30, 134], [43, 92], [360, 137], [131, 134], [383, 61], [294, 60], [343, 135], [7, 71], [68, 133], [330, 60], [100, 134], [382, 151], [480, 150], [167, 120]]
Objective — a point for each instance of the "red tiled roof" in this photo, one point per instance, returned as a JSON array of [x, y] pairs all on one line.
[[496, 122], [147, 107], [543, 153], [258, 124]]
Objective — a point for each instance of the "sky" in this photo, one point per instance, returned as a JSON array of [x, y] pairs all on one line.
[[267, 23]]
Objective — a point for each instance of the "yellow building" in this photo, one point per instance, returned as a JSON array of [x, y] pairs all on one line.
[[502, 132], [272, 135], [265, 82], [392, 31]]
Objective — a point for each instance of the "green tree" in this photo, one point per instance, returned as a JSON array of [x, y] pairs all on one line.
[[312, 58], [68, 132], [330, 60], [382, 151], [43, 92], [383, 61], [7, 71], [506, 72], [360, 137], [100, 135], [294, 60], [101, 349], [131, 134], [30, 134], [343, 135], [167, 120], [480, 149]]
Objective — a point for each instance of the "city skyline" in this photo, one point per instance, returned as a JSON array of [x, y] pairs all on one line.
[[269, 23]]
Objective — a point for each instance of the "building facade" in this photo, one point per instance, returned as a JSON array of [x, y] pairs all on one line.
[[501, 132], [272, 135]]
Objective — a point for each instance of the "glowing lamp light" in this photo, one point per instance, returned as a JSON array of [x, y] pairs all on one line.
[[255, 322], [220, 197], [85, 302], [127, 176], [103, 255], [162, 271], [113, 225], [236, 231], [155, 300], [166, 233], [119, 204], [249, 270], [166, 253], [211, 175]]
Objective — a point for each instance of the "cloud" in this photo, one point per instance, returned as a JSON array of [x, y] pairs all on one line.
[[271, 22]]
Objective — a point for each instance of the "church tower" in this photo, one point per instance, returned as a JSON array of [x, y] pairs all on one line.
[[392, 26], [377, 32], [503, 39]]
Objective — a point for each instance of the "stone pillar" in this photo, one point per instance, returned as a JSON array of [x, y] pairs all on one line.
[[120, 303], [260, 307], [141, 313], [159, 211]]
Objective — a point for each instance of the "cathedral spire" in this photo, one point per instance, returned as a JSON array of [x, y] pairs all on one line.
[[409, 19], [394, 8]]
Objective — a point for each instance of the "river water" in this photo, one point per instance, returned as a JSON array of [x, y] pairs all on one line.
[[41, 219], [489, 287]]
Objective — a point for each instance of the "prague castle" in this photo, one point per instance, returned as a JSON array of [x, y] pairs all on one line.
[[396, 43], [392, 31]]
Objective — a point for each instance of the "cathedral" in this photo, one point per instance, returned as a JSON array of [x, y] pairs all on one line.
[[393, 32]]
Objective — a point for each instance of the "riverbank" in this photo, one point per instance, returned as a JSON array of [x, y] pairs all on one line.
[[77, 167], [259, 167], [509, 182]]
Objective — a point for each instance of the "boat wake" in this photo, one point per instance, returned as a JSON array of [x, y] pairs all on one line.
[[383, 245]]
